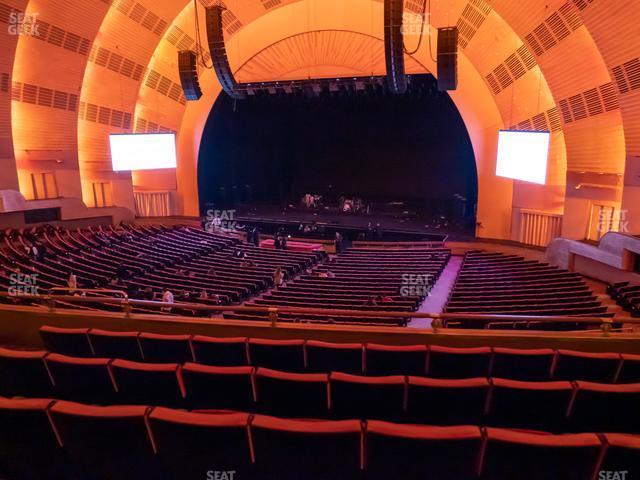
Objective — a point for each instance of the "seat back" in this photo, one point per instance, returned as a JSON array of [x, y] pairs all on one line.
[[110, 344], [519, 364], [306, 449], [29, 445], [447, 362], [223, 388], [191, 444], [85, 380], [325, 357], [284, 355], [292, 395], [630, 369], [378, 398], [513, 454], [434, 401], [24, 374], [601, 407], [157, 348], [148, 384], [415, 452], [67, 341], [530, 405], [221, 352], [106, 442], [589, 367], [395, 360]]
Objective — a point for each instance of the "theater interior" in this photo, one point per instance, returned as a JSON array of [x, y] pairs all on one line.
[[319, 239]]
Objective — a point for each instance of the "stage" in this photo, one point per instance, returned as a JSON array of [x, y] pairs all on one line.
[[322, 224]]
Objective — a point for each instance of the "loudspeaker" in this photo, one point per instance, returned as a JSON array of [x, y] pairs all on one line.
[[394, 46], [447, 58], [218, 50], [188, 68]]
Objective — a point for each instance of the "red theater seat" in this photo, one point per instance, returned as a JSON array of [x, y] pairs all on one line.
[[104, 442], [222, 388], [600, 407], [110, 344], [590, 367], [520, 364], [86, 380], [221, 352], [24, 374], [325, 357], [158, 348], [378, 398], [28, 445], [148, 384], [530, 405], [295, 395], [512, 454], [434, 401], [630, 369], [285, 355], [296, 449], [447, 362], [67, 341], [189, 445], [395, 360], [414, 452], [623, 454]]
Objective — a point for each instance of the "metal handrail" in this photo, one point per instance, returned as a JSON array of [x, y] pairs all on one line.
[[127, 304]]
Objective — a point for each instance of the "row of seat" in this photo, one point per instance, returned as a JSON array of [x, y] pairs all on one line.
[[552, 406], [42, 436], [371, 359], [627, 295]]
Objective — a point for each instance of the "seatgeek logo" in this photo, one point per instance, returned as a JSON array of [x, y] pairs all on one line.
[[221, 474], [612, 474]]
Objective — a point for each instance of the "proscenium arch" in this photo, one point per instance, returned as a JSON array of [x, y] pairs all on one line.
[[473, 100]]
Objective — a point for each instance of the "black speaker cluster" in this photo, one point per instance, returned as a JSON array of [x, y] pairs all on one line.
[[447, 58], [188, 68]]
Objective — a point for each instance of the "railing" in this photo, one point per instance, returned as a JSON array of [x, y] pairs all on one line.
[[438, 319]]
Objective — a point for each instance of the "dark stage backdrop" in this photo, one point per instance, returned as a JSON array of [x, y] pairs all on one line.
[[272, 149]]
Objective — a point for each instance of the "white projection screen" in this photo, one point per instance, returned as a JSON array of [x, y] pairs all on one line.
[[523, 155], [142, 151]]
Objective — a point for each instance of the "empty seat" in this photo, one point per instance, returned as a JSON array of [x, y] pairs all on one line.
[[379, 398], [396, 360], [157, 348], [630, 369], [520, 364], [295, 395], [28, 445], [334, 357], [601, 407], [24, 374], [67, 341], [512, 454], [530, 405], [416, 452], [148, 384], [222, 352], [104, 442], [294, 449], [110, 344], [447, 362], [86, 380], [285, 355], [223, 388], [590, 367], [435, 401], [189, 445], [623, 454]]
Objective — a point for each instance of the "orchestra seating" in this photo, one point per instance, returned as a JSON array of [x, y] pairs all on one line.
[[499, 284], [398, 279], [627, 295]]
